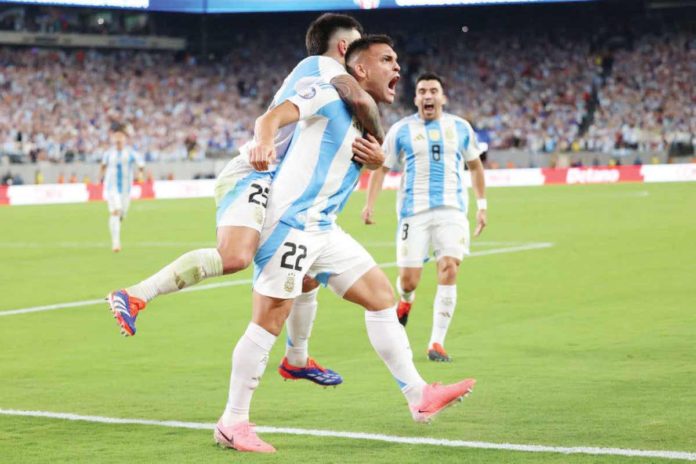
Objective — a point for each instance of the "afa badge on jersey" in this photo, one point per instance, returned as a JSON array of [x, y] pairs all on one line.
[[434, 135]]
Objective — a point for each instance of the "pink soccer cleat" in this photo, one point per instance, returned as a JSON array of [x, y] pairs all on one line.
[[437, 397], [241, 437]]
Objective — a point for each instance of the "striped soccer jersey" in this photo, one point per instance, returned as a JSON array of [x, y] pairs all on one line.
[[120, 169], [311, 70], [317, 174], [431, 155]]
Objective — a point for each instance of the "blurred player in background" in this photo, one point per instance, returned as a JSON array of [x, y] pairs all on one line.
[[432, 204], [300, 237], [241, 195], [117, 173]]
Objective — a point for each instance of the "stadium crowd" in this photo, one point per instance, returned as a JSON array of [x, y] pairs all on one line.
[[542, 93], [649, 101]]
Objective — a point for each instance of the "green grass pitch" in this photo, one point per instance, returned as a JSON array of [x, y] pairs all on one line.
[[590, 342]]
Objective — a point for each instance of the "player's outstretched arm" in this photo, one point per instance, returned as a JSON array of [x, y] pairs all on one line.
[[374, 186], [361, 104], [262, 152], [478, 183]]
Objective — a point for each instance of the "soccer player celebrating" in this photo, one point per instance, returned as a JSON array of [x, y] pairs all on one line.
[[241, 195], [300, 237], [432, 202], [117, 172]]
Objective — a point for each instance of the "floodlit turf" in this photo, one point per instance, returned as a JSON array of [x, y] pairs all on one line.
[[590, 342]]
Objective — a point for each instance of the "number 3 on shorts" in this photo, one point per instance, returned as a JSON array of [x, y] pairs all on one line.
[[404, 231]]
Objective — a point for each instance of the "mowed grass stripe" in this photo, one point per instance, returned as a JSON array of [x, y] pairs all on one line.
[[591, 450], [234, 283]]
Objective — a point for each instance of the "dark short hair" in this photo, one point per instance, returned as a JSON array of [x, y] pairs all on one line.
[[323, 28], [119, 127], [428, 76], [366, 42]]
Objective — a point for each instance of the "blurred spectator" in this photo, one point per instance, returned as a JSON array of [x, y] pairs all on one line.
[[543, 91], [649, 101]]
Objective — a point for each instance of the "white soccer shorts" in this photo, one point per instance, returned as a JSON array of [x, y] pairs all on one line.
[[446, 230], [241, 195], [286, 255], [117, 201]]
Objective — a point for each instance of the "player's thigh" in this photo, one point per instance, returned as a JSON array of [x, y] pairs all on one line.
[[241, 198], [351, 272], [372, 291], [237, 246], [413, 241], [113, 201], [450, 232], [284, 258]]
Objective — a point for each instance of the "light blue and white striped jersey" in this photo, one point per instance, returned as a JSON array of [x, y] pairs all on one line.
[[311, 70], [120, 169], [317, 174], [431, 155]]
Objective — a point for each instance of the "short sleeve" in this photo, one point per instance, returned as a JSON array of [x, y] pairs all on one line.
[[469, 145], [313, 98], [391, 150]]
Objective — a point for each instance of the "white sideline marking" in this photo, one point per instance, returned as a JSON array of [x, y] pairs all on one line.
[[681, 455], [77, 304], [234, 283]]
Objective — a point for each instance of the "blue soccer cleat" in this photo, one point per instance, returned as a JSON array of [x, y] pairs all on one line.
[[125, 309], [312, 372]]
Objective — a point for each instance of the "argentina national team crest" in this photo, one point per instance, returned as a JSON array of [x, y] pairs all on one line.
[[289, 283]]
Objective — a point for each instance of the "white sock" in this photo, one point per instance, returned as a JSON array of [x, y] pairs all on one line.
[[299, 327], [188, 269], [443, 310], [115, 229], [249, 361], [406, 296], [389, 340]]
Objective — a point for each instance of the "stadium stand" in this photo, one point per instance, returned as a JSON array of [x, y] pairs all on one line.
[[562, 90]]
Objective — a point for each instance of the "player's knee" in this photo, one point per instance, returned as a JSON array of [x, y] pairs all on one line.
[[448, 269], [408, 283], [234, 262], [382, 296]]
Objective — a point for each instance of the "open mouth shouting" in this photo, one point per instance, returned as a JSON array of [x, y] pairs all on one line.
[[392, 85]]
